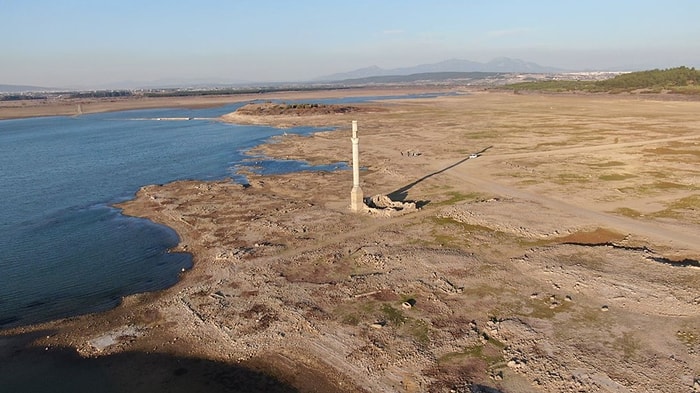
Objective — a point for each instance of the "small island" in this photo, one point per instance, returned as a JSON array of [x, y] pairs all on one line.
[[287, 115]]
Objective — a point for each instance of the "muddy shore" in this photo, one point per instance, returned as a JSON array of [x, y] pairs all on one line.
[[564, 257]]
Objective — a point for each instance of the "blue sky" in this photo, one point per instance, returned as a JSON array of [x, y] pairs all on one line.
[[80, 43]]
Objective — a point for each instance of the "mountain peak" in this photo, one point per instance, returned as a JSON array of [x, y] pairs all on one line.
[[499, 64]]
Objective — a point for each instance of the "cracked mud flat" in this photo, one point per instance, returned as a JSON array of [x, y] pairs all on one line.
[[520, 273]]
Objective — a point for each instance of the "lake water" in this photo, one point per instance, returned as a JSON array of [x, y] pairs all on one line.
[[65, 250]]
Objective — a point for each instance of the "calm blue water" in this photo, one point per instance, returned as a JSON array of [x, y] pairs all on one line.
[[65, 251]]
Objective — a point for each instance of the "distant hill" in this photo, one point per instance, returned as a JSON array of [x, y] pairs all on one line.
[[24, 89], [501, 64], [422, 76], [682, 80]]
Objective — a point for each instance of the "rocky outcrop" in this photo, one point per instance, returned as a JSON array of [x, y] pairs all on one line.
[[383, 205]]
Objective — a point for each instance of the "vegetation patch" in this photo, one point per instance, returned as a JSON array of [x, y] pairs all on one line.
[[420, 331], [655, 174], [350, 319], [447, 240], [458, 233], [356, 312], [627, 344], [667, 185], [616, 176], [680, 80], [568, 178], [670, 151], [486, 134], [588, 317], [679, 208], [482, 291], [690, 203], [607, 164], [554, 144], [628, 212], [445, 221], [529, 182], [548, 308], [656, 187], [456, 197], [393, 315], [297, 109], [490, 352], [415, 328], [328, 268]]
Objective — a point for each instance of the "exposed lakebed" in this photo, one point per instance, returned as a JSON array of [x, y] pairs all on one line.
[[67, 251]]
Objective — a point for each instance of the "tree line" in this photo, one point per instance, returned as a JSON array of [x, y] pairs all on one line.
[[683, 80]]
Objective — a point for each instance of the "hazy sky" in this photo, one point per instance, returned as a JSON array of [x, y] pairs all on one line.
[[74, 43]]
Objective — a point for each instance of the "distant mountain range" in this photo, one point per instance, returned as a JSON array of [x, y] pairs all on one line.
[[498, 65], [501, 64]]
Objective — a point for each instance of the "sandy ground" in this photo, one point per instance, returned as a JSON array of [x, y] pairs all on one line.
[[563, 258]]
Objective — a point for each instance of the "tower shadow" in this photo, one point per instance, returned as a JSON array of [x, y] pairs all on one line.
[[401, 193]]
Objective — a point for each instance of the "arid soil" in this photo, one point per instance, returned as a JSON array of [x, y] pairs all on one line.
[[564, 257]]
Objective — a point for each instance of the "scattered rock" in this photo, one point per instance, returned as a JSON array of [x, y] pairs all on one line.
[[384, 202], [114, 337], [515, 363], [378, 324], [380, 201]]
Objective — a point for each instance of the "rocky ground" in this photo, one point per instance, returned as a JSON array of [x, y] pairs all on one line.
[[564, 257]]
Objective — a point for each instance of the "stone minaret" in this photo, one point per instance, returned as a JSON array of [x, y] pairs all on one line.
[[356, 197]]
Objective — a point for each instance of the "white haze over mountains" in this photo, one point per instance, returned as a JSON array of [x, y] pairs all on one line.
[[500, 64]]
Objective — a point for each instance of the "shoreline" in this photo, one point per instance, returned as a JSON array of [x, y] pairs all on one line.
[[10, 110], [288, 282], [76, 107], [109, 104]]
